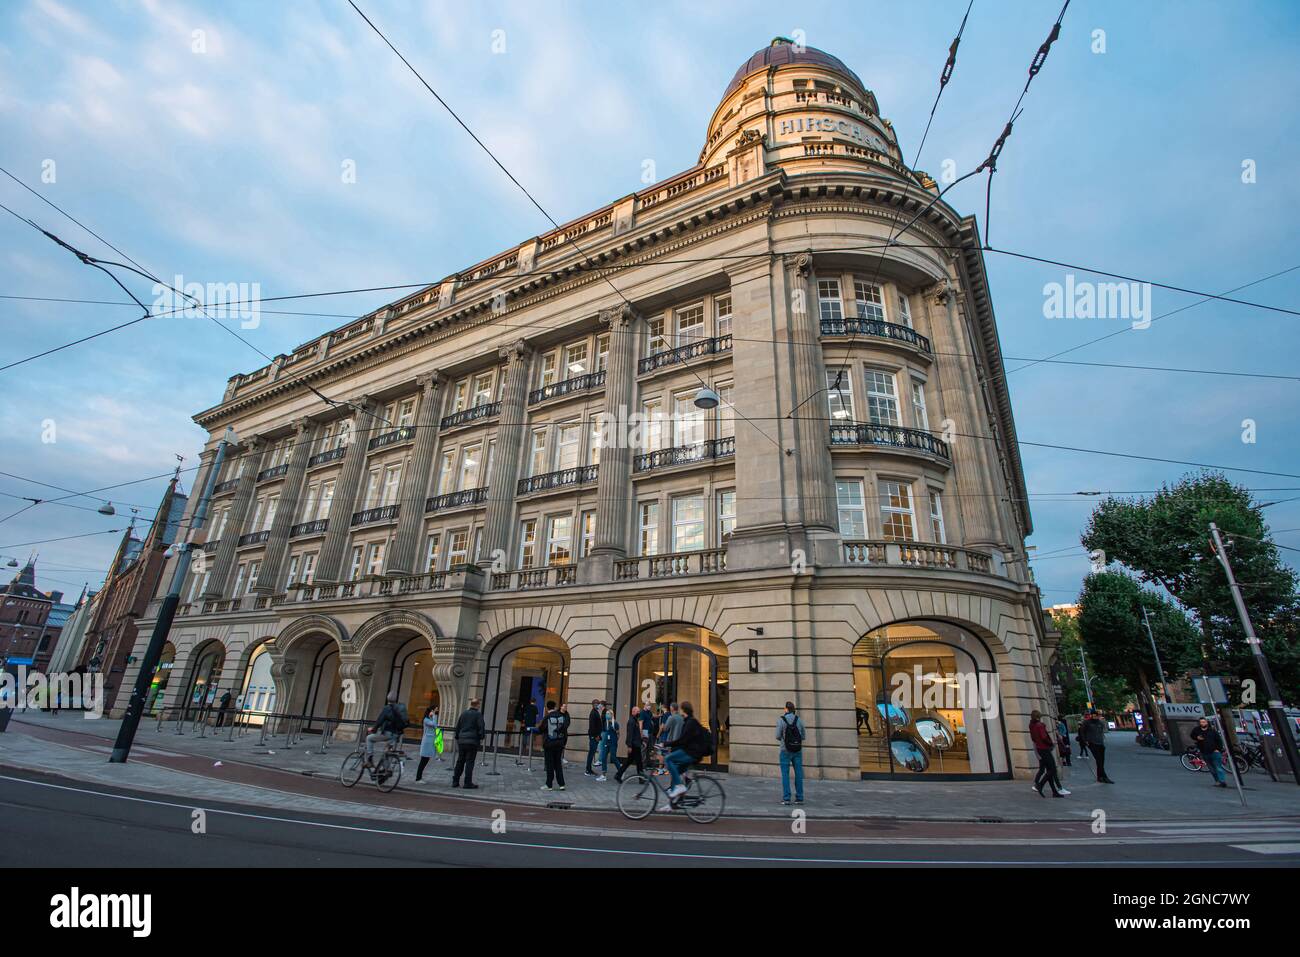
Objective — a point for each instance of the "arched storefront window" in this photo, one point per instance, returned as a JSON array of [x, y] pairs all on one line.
[[679, 662], [524, 672], [204, 679], [927, 703], [325, 689], [257, 697], [412, 679]]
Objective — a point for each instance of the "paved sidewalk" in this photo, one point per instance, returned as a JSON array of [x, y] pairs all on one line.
[[1151, 785]]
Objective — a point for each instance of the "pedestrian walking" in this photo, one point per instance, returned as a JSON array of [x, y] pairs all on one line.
[[790, 732], [608, 743], [1063, 741], [469, 738], [224, 709], [1210, 743], [1046, 763], [634, 738], [430, 742], [1083, 745], [1093, 733], [555, 734], [595, 726]]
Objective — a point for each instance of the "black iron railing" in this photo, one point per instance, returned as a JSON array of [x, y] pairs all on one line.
[[581, 383], [472, 414], [575, 476], [309, 528], [222, 487], [685, 454], [329, 455], [466, 496], [875, 328], [384, 513], [692, 350], [403, 434], [275, 471], [893, 436], [254, 538]]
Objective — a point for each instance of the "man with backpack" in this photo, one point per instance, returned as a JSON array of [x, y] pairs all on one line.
[[791, 732], [693, 743], [555, 735], [388, 726]]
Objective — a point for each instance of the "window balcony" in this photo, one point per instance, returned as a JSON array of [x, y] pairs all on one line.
[[889, 436], [330, 455], [309, 528], [917, 555], [708, 561], [525, 579], [685, 454], [221, 488], [254, 538], [403, 434], [876, 329], [211, 545], [467, 496], [684, 354], [549, 480], [582, 383], [369, 516], [274, 471], [473, 414]]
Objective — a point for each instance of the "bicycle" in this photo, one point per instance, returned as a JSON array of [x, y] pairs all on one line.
[[1193, 761], [703, 800], [385, 772]]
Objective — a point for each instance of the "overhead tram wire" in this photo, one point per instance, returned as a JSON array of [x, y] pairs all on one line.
[[944, 76]]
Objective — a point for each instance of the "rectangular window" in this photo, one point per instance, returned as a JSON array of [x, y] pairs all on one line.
[[528, 543], [392, 481], [575, 360], [371, 498], [870, 300], [458, 551], [253, 568], [471, 463], [326, 435], [219, 526], [920, 418], [309, 503], [537, 454], [595, 438], [478, 544], [896, 512], [343, 437], [272, 503], [649, 528], [406, 412], [375, 559], [326, 499], [652, 433], [308, 567], [259, 507], [568, 446], [354, 566], [852, 509], [431, 544], [559, 540], [240, 574], [936, 519], [548, 368], [460, 399], [829, 304], [294, 562], [839, 395], [690, 324], [602, 351], [726, 515], [482, 389], [588, 533], [882, 399], [722, 316], [658, 341], [904, 311], [688, 420], [726, 413], [446, 469], [688, 523]]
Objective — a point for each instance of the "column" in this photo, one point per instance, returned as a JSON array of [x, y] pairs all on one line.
[[404, 556], [614, 479], [812, 421], [453, 661], [304, 437], [223, 564], [329, 567], [502, 482]]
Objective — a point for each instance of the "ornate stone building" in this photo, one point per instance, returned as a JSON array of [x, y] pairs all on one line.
[[715, 442]]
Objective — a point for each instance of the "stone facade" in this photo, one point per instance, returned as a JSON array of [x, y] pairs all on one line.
[[513, 461]]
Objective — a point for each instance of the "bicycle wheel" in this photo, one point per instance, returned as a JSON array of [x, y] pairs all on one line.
[[710, 800], [1240, 761], [388, 774], [1191, 762], [352, 769], [637, 796]]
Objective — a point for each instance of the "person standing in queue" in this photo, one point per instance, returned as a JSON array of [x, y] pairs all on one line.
[[555, 735]]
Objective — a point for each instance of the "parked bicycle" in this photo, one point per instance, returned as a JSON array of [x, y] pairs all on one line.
[[385, 771], [1193, 760], [703, 800], [1149, 739]]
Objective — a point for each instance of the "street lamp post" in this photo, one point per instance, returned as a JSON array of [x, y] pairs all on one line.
[[166, 613], [1087, 681]]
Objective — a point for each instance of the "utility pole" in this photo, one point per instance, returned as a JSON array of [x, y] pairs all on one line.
[[166, 613], [1277, 715], [1087, 682], [1160, 672]]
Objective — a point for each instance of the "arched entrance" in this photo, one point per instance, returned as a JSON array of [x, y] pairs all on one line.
[[323, 697], [201, 690], [524, 671], [162, 674], [257, 694], [678, 662], [411, 678], [927, 703]]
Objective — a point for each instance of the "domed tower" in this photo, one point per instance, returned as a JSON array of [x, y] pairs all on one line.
[[801, 109]]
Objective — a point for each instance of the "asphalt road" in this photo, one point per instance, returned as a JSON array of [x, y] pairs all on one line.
[[52, 822]]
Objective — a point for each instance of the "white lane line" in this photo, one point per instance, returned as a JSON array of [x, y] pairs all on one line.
[[1269, 848], [581, 850], [1228, 831]]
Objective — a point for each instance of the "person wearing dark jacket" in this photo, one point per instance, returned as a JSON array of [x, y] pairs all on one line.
[[1092, 732], [1046, 763], [1210, 742], [691, 744], [595, 725], [555, 735], [469, 737], [633, 743]]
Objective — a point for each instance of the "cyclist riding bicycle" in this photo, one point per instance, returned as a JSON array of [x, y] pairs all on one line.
[[694, 743], [388, 726]]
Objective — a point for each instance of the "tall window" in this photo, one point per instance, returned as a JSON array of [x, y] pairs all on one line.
[[537, 453], [392, 481], [588, 533], [372, 490], [471, 463], [852, 509], [294, 561], [240, 574], [528, 543], [446, 472], [254, 567], [308, 568], [936, 519], [575, 360], [559, 540], [548, 369], [655, 328], [722, 316], [375, 558], [326, 499], [482, 389], [343, 436], [309, 503], [839, 394], [431, 550], [354, 566], [602, 351], [568, 446], [870, 300], [690, 324], [882, 400], [326, 436], [458, 550], [828, 300], [726, 412], [688, 420], [919, 415], [652, 414], [896, 512], [595, 438], [904, 311], [649, 528], [726, 515], [406, 412], [688, 523], [268, 517]]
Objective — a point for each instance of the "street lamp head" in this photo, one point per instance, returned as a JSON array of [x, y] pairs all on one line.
[[107, 509], [706, 398]]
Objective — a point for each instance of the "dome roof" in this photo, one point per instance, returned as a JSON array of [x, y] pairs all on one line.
[[784, 52]]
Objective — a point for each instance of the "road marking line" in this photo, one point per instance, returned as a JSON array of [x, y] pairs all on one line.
[[1268, 848]]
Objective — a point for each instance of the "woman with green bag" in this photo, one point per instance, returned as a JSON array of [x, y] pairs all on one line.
[[431, 743]]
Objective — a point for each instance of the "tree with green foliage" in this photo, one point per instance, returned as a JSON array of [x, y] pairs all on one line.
[[1165, 541]]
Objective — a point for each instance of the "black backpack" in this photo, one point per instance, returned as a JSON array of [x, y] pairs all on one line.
[[556, 726], [790, 736]]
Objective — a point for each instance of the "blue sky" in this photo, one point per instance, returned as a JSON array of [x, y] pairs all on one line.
[[225, 166]]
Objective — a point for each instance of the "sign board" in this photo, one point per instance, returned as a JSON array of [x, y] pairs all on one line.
[[1183, 711], [1210, 690]]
